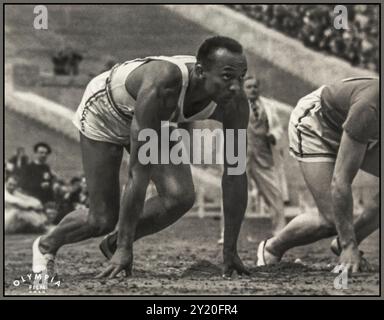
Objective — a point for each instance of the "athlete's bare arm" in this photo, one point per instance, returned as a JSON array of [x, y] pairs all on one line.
[[349, 160], [235, 193], [156, 98]]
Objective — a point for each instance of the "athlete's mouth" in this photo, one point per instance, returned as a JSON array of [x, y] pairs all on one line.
[[229, 94]]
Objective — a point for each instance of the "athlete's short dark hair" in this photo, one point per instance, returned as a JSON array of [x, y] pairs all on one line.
[[44, 145], [210, 45]]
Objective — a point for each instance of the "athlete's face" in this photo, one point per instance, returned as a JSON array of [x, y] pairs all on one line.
[[224, 77]]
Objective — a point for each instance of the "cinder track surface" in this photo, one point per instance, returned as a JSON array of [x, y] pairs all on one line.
[[185, 260]]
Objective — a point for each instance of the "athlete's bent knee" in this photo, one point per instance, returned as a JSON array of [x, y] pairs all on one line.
[[101, 226], [181, 202], [327, 227], [102, 222]]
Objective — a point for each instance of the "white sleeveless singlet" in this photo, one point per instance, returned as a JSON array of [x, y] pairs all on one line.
[[125, 103]]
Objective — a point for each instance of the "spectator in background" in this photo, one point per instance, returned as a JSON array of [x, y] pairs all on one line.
[[264, 133], [37, 177], [69, 197], [17, 163], [313, 25], [73, 194], [51, 212], [60, 63], [83, 196], [66, 62], [22, 213], [60, 189], [74, 59], [59, 199]]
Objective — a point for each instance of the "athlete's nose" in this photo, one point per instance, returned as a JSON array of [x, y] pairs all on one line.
[[235, 86]]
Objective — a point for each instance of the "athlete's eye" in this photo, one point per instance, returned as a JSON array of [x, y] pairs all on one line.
[[227, 77]]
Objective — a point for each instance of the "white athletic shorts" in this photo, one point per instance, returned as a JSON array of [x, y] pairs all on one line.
[[310, 138], [97, 118]]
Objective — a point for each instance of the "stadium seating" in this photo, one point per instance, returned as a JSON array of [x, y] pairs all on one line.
[[313, 25]]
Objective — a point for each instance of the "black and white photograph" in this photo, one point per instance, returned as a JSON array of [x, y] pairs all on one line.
[[178, 150]]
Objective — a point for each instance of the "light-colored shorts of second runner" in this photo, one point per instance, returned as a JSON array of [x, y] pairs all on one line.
[[310, 138], [96, 116]]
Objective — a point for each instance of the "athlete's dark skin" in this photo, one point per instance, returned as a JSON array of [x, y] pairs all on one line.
[[156, 86]]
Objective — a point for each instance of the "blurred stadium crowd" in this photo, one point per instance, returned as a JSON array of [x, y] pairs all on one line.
[[314, 26], [35, 197]]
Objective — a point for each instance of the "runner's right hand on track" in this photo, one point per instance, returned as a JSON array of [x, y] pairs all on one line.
[[120, 261]]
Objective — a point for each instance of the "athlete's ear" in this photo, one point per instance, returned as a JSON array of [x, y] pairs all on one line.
[[199, 70]]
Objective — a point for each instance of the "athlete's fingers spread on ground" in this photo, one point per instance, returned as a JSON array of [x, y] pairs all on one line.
[[355, 267], [105, 273], [242, 270], [347, 268]]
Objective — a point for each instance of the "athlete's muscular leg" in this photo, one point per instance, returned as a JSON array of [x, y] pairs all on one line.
[[101, 163], [369, 220], [175, 197], [308, 228]]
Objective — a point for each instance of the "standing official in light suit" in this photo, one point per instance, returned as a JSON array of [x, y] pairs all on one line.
[[264, 134]]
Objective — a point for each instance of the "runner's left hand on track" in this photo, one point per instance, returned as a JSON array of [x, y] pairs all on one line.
[[350, 259], [232, 264]]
